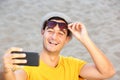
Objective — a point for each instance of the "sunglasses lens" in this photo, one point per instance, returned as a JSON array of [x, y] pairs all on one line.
[[62, 26], [51, 24]]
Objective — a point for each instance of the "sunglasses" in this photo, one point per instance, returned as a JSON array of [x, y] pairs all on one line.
[[52, 24]]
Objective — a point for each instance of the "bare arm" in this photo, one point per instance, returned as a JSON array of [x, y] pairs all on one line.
[[17, 75], [20, 75], [7, 69], [102, 67], [6, 75]]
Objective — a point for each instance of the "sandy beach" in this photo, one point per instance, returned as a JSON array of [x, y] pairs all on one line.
[[20, 26]]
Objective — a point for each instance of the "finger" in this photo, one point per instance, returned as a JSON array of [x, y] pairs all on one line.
[[82, 25], [71, 27], [7, 57], [13, 49], [15, 55], [70, 24], [19, 61], [78, 27], [7, 60], [17, 67], [74, 26]]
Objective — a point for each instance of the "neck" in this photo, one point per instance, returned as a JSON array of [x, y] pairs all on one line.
[[50, 59]]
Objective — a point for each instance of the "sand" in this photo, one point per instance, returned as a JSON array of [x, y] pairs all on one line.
[[20, 20]]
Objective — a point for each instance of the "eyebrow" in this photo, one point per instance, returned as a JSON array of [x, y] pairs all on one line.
[[49, 28], [64, 30]]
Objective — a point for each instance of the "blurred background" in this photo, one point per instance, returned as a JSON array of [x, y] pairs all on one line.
[[20, 26]]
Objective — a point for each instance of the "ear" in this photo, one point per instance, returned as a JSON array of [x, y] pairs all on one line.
[[68, 38], [42, 32]]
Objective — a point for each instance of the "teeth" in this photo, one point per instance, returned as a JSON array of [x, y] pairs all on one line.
[[53, 43]]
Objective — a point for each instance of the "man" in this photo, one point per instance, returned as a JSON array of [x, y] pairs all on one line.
[[56, 31]]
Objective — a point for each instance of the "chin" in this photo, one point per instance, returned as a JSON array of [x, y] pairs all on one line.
[[52, 51]]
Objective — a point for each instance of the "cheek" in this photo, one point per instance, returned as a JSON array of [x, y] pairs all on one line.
[[46, 35], [62, 40]]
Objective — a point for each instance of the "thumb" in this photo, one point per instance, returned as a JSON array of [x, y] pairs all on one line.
[[13, 49], [70, 27]]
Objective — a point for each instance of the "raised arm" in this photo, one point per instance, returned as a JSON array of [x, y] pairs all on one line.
[[102, 67]]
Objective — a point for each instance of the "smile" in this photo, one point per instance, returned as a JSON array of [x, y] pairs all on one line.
[[53, 43]]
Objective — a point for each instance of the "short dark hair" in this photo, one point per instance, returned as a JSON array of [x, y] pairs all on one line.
[[57, 18]]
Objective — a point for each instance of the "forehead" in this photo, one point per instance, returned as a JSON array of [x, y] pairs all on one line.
[[57, 18], [61, 21]]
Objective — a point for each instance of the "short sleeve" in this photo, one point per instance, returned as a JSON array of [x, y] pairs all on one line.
[[77, 64]]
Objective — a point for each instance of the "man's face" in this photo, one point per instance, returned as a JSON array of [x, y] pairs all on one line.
[[54, 38]]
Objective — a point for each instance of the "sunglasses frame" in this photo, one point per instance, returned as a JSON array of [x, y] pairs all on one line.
[[52, 24]]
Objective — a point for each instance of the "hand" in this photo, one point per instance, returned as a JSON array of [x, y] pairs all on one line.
[[8, 61], [78, 30]]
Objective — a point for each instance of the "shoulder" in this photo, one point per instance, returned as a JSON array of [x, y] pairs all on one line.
[[70, 58], [72, 61], [73, 64]]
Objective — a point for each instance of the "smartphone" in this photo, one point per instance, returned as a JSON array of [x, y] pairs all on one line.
[[31, 57]]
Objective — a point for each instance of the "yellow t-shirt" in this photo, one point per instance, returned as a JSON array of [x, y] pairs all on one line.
[[68, 68]]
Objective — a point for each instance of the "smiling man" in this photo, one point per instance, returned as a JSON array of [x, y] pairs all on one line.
[[57, 29]]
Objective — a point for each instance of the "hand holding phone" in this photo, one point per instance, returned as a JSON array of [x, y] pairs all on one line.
[[31, 57]]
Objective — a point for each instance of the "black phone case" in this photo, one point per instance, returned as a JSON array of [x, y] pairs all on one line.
[[31, 57]]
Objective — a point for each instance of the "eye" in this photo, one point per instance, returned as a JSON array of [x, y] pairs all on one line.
[[61, 33], [49, 30]]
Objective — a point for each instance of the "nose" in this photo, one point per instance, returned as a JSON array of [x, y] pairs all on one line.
[[54, 36]]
